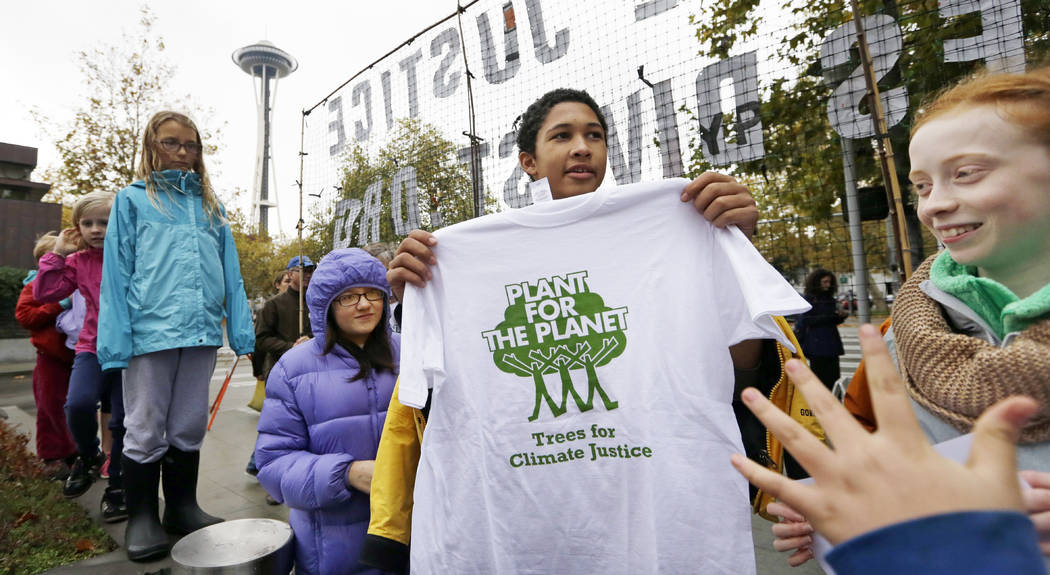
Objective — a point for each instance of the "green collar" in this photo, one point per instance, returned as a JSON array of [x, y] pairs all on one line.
[[994, 302]]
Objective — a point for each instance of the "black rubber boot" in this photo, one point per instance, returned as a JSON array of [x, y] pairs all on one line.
[[182, 515], [144, 538]]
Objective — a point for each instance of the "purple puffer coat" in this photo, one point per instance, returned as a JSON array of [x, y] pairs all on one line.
[[315, 422]]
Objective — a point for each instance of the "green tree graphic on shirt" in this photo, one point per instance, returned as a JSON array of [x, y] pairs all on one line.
[[558, 335]]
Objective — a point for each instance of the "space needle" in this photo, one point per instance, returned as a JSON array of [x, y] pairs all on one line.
[[267, 64]]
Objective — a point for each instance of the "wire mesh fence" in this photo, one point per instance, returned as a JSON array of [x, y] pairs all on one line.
[[772, 94]]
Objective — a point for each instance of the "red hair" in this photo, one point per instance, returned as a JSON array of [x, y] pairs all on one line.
[[1023, 99]]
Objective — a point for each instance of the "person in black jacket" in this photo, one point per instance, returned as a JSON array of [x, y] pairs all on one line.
[[277, 328], [261, 360], [817, 329]]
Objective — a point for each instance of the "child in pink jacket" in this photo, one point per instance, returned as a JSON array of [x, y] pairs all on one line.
[[76, 263]]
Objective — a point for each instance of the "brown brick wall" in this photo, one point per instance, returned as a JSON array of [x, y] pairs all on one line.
[[21, 222]]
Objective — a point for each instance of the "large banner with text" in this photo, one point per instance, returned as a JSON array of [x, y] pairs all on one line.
[[425, 136]]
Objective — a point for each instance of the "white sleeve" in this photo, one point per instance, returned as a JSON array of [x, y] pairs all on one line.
[[422, 349], [761, 292]]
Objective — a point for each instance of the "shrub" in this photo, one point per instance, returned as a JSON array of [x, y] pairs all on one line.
[[10, 287], [39, 529]]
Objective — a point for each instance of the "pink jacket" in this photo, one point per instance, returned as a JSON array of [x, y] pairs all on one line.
[[59, 276]]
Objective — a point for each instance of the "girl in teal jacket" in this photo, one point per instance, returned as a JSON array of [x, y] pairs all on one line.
[[169, 277]]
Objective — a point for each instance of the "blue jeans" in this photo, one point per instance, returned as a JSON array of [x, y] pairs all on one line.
[[87, 386]]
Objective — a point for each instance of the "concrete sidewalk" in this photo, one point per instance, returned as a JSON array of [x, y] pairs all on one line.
[[224, 489], [24, 367], [227, 491]]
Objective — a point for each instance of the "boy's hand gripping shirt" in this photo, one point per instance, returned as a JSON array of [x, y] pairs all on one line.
[[581, 419]]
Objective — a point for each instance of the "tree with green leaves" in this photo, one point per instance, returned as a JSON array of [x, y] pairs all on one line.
[[259, 255], [262, 255], [443, 185], [801, 172], [126, 84]]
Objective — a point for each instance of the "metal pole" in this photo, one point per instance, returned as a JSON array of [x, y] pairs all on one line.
[[892, 262], [475, 141], [856, 232], [273, 169], [885, 147], [299, 225]]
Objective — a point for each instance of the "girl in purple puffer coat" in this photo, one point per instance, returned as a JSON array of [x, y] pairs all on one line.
[[326, 401]]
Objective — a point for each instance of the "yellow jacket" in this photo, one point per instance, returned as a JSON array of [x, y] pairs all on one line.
[[393, 481], [789, 399]]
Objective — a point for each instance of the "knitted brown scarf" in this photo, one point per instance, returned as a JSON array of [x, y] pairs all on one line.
[[957, 376]]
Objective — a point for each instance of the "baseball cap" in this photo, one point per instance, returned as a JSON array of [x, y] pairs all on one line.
[[306, 263]]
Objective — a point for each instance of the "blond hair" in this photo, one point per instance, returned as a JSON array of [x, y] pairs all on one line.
[[149, 163], [87, 202], [44, 244], [1023, 99]]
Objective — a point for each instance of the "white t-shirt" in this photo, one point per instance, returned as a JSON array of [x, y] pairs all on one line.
[[581, 419]]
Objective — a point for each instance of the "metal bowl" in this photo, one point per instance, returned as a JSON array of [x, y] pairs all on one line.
[[241, 546]]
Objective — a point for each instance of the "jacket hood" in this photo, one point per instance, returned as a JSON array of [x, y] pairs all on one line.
[[337, 272], [177, 179], [29, 277]]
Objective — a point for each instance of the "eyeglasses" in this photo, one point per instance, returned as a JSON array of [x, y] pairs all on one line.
[[351, 299], [172, 147]]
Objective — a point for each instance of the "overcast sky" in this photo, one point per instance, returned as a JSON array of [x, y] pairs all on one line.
[[331, 40]]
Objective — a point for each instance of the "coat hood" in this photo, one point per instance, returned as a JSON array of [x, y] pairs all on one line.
[[337, 272], [189, 182]]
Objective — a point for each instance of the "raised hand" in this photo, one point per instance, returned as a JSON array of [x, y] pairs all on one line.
[[411, 263], [723, 201], [872, 480], [793, 533], [68, 242]]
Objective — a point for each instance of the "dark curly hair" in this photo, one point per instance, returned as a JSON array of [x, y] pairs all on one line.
[[537, 112], [813, 281]]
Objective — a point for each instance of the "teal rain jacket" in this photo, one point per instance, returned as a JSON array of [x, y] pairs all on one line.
[[169, 275]]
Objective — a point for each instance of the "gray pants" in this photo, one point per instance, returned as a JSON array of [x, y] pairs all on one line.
[[166, 401]]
